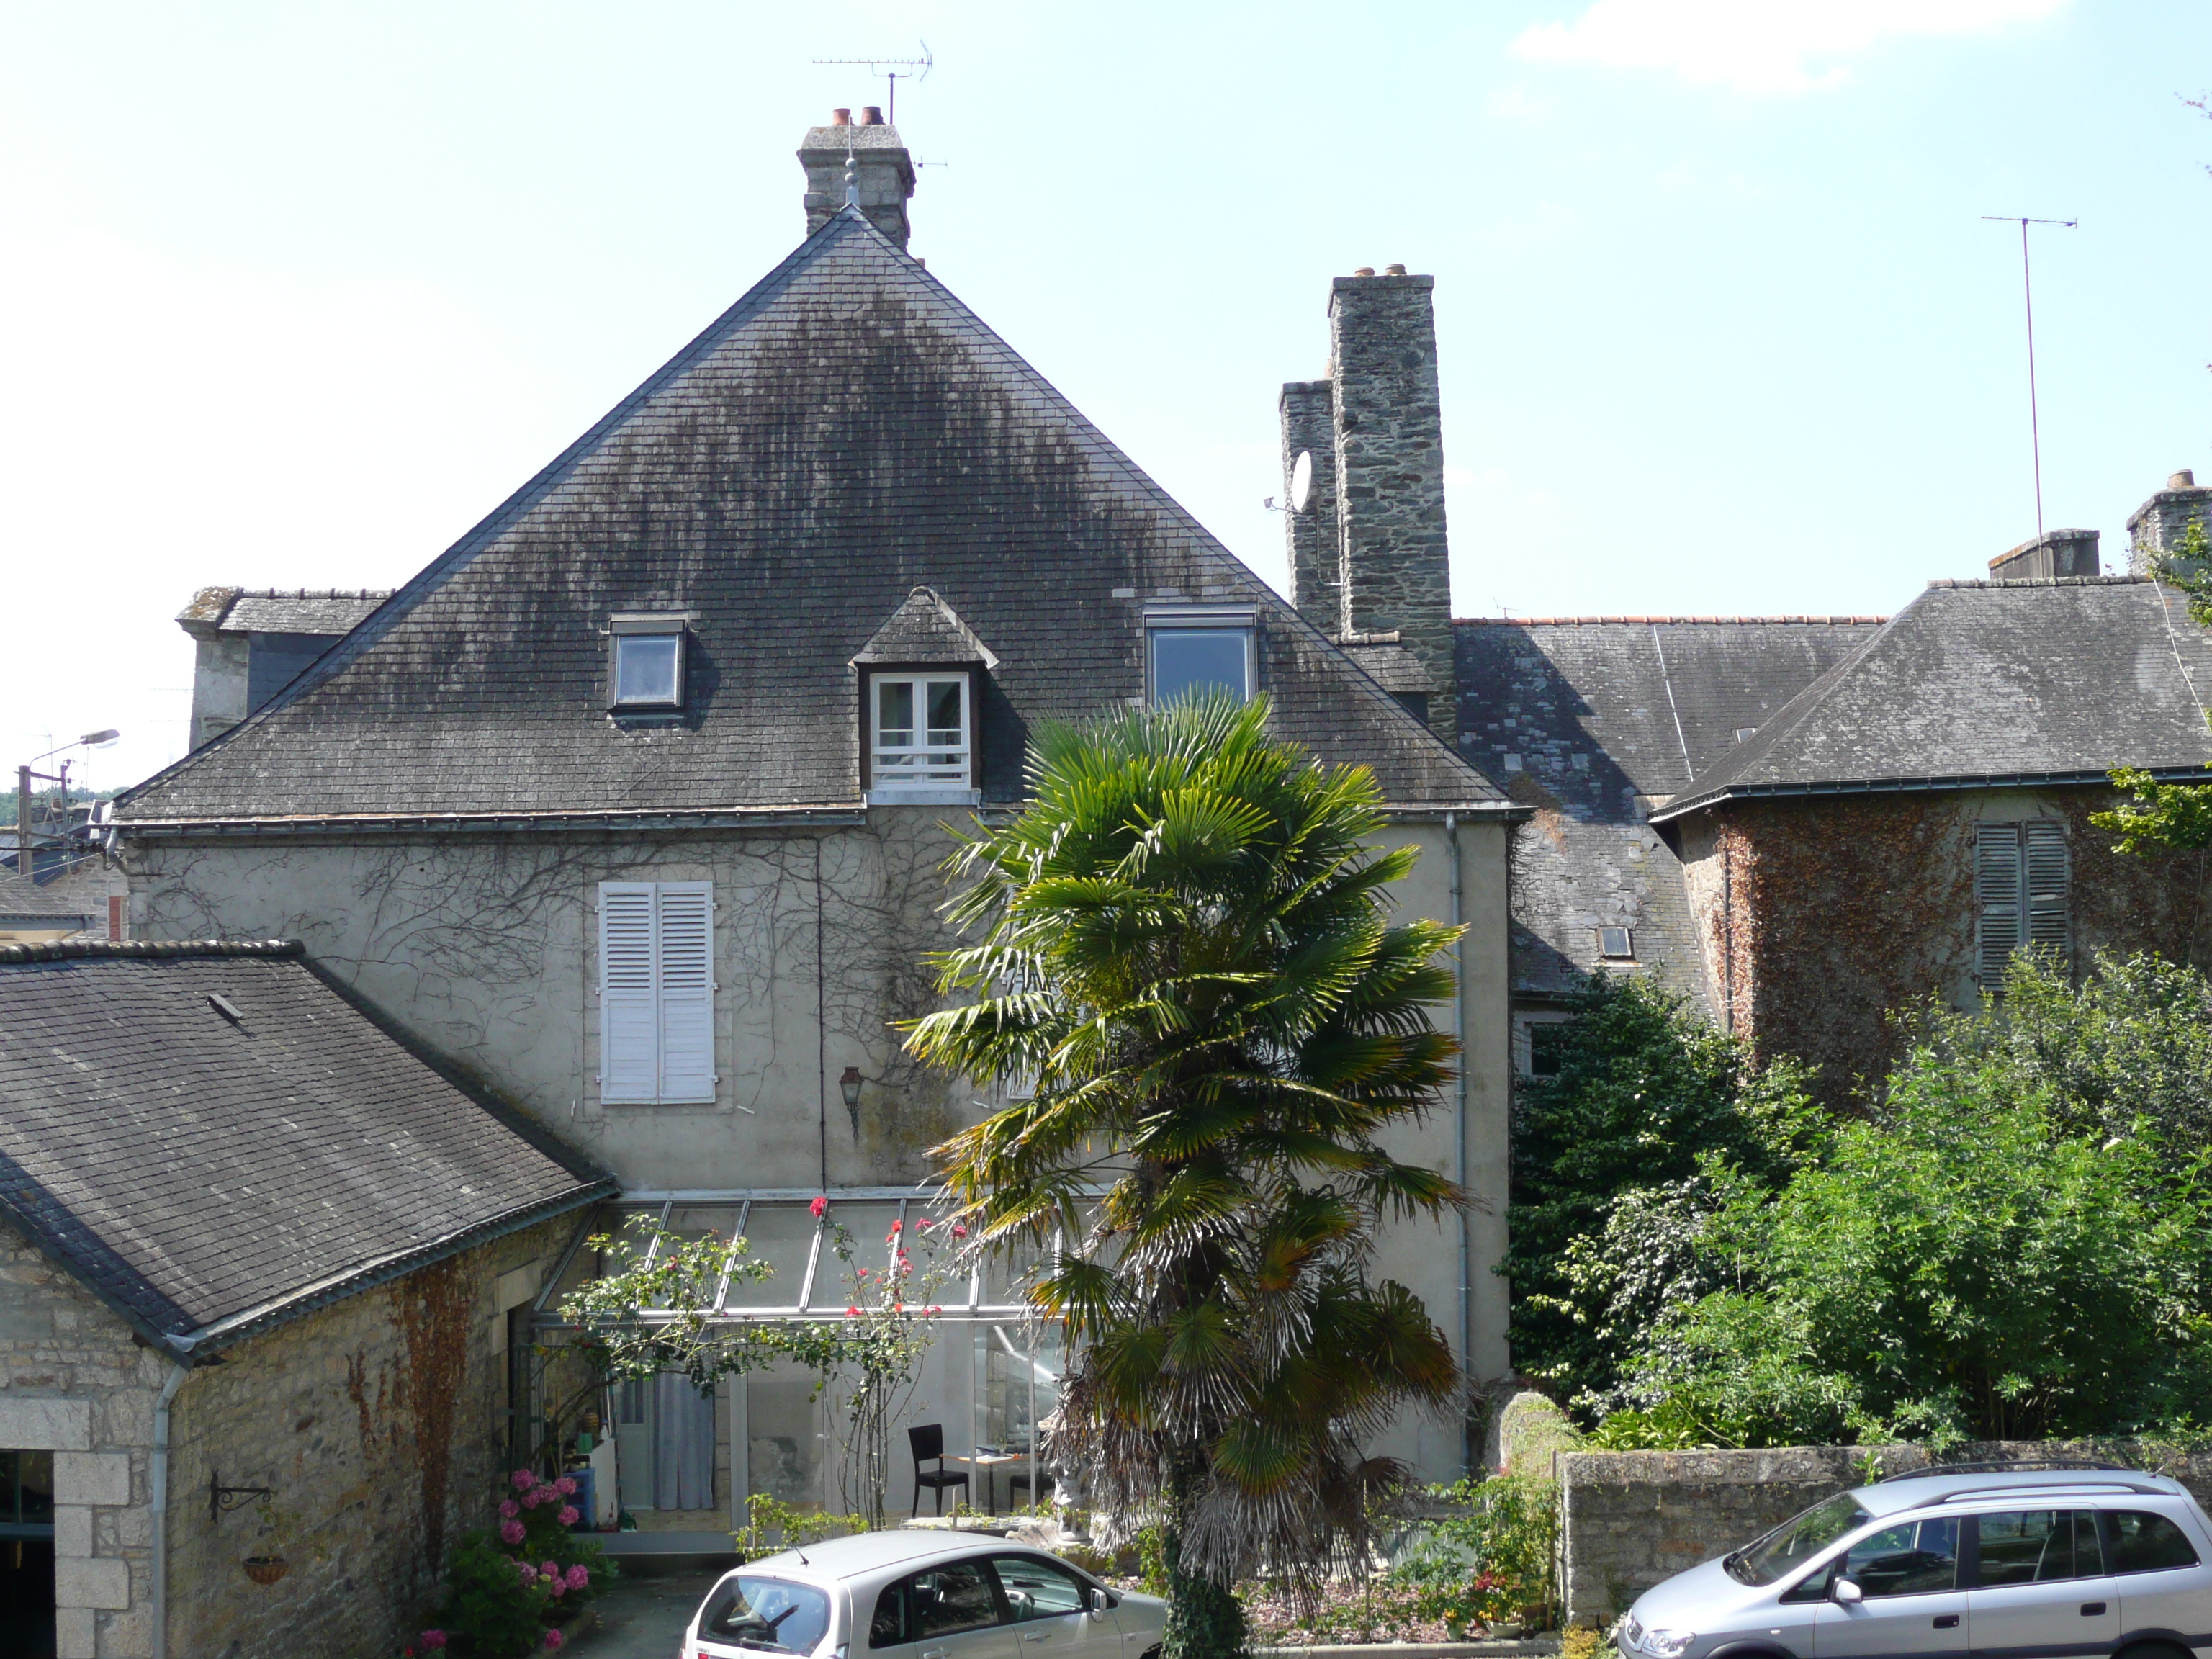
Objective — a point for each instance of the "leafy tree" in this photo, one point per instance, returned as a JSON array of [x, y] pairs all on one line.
[[1645, 1089], [1187, 951], [2170, 818], [1981, 1258]]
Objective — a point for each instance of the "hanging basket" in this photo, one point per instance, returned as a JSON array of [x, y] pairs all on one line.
[[265, 1569]]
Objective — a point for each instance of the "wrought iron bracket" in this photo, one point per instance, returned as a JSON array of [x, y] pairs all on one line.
[[223, 1499]]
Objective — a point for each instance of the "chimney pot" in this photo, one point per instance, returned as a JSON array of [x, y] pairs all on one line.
[[1365, 270], [841, 117], [872, 115], [1394, 271], [2184, 479]]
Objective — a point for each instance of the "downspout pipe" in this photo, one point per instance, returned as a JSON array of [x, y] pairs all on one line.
[[1465, 1253], [157, 1486]]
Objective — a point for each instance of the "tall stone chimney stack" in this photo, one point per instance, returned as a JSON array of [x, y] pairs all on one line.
[[1388, 430], [2155, 529], [1316, 551], [882, 170]]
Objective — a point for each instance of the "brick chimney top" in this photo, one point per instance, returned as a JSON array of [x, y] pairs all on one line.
[[883, 171], [2058, 553], [2155, 528]]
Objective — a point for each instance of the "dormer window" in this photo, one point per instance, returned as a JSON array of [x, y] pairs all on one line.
[[1191, 650], [646, 665], [919, 735]]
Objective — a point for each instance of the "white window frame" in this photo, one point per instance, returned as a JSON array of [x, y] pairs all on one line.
[[945, 785], [1524, 1043], [633, 626], [657, 1034], [1215, 618]]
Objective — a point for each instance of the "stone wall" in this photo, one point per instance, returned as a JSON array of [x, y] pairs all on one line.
[[73, 1383], [1316, 558], [1631, 1519], [378, 1421]]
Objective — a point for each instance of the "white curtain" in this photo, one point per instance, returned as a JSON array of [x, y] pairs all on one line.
[[683, 1445]]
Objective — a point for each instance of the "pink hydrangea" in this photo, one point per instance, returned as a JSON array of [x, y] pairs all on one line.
[[818, 1206], [551, 1569], [566, 1486], [523, 1480], [530, 1500], [552, 1638], [529, 1574], [432, 1638], [554, 1585], [508, 1507], [570, 1515], [578, 1576], [510, 1532]]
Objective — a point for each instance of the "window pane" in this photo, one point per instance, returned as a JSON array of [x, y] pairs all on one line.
[[2020, 1547], [1187, 661], [1037, 1589], [888, 1628], [953, 1597], [645, 668], [945, 711], [869, 1226], [1906, 1561], [1546, 1041], [895, 713], [772, 1613], [2089, 1548], [2148, 1543], [781, 1235], [1796, 1541]]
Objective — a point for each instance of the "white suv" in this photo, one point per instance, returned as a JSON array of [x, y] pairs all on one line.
[[2073, 1562], [921, 1595]]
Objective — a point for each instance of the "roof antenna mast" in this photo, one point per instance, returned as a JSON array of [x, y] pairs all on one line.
[[893, 70], [2028, 292]]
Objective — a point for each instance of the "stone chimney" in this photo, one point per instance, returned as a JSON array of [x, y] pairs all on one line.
[[2058, 553], [1394, 563], [882, 170], [2155, 529], [1316, 555]]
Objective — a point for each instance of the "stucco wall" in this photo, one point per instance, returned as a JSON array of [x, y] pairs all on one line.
[[1820, 915], [485, 949], [1631, 1519], [377, 1422]]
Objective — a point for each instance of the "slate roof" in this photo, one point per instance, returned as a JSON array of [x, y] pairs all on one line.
[[22, 901], [847, 431], [1979, 682], [925, 629], [1608, 716], [332, 611], [208, 1176]]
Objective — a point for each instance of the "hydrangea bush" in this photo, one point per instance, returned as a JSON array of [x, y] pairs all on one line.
[[508, 1588]]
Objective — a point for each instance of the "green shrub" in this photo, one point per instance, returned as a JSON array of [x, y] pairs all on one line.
[[501, 1600]]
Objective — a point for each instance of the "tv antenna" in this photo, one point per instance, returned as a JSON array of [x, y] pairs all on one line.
[[2028, 292], [892, 69]]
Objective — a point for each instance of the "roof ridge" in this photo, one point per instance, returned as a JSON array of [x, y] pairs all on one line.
[[313, 593], [1837, 620], [2037, 582], [63, 950]]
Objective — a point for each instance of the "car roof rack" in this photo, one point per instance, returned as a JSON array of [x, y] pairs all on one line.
[[2025, 1466]]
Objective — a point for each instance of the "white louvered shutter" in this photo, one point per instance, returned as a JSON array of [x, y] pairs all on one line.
[[687, 990], [630, 1059], [1997, 898], [2046, 886]]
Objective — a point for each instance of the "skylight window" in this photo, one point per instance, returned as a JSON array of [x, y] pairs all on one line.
[[1199, 649], [919, 736], [647, 666]]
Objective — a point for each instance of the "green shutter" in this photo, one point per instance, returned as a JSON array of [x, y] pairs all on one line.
[[1997, 900], [2046, 893]]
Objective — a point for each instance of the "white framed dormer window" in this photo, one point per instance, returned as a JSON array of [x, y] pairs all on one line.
[[1190, 650], [922, 735], [645, 663], [657, 993]]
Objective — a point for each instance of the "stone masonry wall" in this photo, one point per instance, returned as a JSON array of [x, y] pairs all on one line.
[[1316, 556], [1390, 473], [1631, 1519], [379, 1422], [73, 1383]]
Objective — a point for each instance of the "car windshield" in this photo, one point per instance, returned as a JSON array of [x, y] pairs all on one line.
[[772, 1615], [1795, 1542]]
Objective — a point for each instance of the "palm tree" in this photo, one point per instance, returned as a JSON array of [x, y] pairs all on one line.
[[1187, 953]]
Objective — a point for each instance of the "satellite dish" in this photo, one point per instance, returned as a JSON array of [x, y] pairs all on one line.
[[1301, 481]]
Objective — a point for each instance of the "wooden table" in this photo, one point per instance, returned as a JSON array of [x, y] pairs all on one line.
[[985, 1464]]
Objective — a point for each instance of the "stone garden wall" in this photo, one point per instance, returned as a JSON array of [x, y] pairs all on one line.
[[1631, 1519]]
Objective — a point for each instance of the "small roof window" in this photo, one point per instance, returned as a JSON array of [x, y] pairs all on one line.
[[1194, 649], [646, 668], [1616, 943]]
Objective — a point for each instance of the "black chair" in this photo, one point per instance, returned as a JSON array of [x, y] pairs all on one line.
[[927, 1442]]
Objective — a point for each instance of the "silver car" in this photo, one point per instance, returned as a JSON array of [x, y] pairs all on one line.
[[2056, 1563], [921, 1595]]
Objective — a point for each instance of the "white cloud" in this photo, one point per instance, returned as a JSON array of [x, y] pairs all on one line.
[[1758, 45]]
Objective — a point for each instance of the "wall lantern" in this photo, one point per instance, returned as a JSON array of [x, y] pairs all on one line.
[[850, 1086]]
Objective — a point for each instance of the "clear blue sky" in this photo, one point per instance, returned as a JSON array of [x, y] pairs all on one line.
[[290, 295]]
